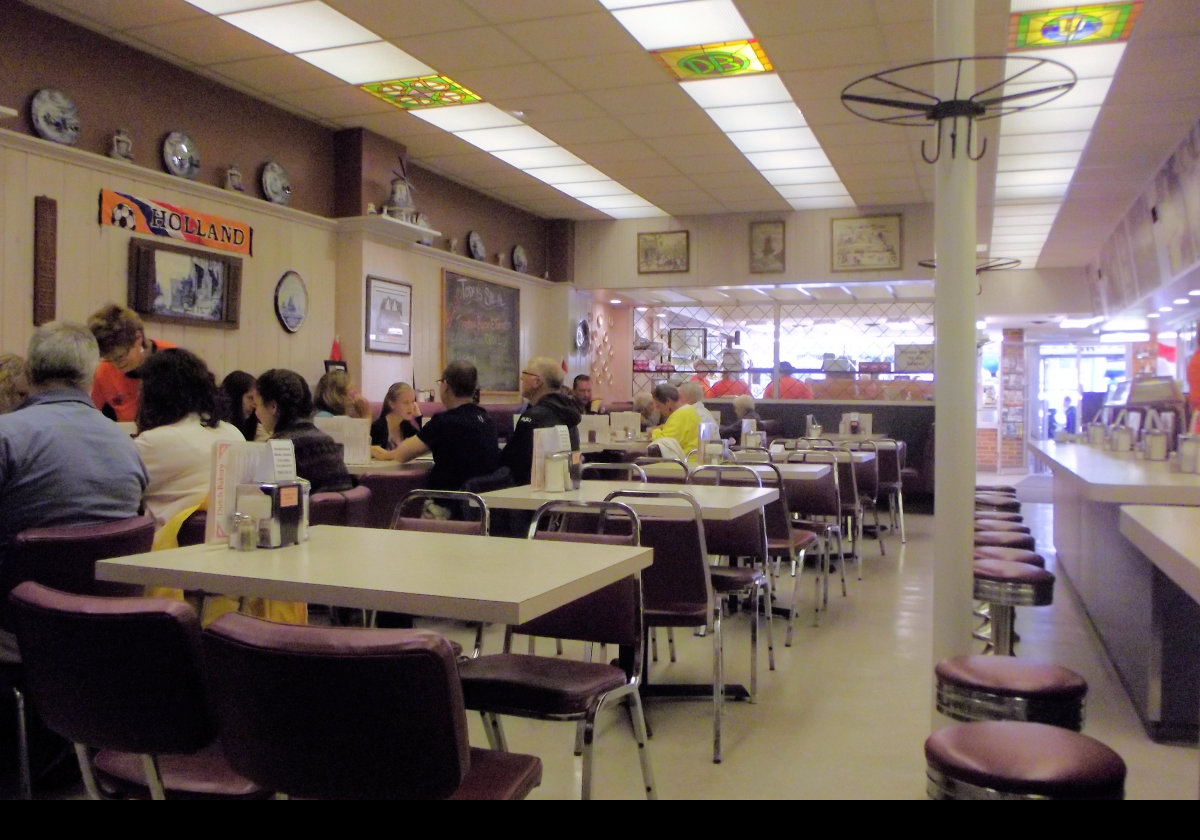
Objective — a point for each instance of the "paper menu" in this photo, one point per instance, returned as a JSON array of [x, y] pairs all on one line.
[[353, 433]]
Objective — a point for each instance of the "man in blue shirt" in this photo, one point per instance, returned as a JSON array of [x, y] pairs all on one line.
[[61, 461]]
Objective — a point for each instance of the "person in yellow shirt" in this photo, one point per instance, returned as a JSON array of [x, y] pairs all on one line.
[[683, 423]]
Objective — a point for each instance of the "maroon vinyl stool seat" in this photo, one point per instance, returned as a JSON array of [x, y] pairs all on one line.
[[122, 678], [1006, 688], [1005, 539], [1017, 760], [1004, 585], [1015, 555], [351, 713], [1001, 525], [997, 501], [1006, 489]]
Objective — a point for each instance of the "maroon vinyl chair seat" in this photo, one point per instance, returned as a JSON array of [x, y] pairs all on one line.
[[1017, 760], [351, 713], [63, 558], [1014, 555], [1005, 539], [1001, 525], [1006, 489], [1006, 688], [124, 676], [565, 689]]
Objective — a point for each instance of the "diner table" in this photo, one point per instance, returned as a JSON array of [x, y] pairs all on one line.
[[856, 456], [716, 503], [488, 579]]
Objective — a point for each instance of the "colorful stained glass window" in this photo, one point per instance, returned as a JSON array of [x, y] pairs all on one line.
[[1072, 25], [711, 61], [422, 92]]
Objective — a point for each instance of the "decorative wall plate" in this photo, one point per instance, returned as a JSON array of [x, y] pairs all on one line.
[[475, 245], [582, 335], [520, 261], [180, 155], [276, 185], [54, 116], [291, 301]]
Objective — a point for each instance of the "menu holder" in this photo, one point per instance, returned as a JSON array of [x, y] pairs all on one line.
[[594, 428], [625, 425], [550, 472], [242, 463]]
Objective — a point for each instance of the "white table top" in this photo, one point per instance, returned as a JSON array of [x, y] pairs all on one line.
[[1167, 536], [717, 503], [491, 579], [789, 472], [857, 456], [1119, 477], [614, 446], [378, 466]]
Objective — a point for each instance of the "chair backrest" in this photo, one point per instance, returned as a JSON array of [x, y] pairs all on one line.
[[820, 496], [620, 472], [358, 506], [328, 508], [470, 512], [744, 536], [678, 579], [586, 520], [65, 558], [888, 453], [776, 514], [114, 673], [388, 488], [866, 473], [497, 480], [338, 712], [751, 455], [671, 471]]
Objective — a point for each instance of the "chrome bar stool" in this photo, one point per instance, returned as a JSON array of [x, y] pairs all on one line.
[[1005, 688], [1004, 585]]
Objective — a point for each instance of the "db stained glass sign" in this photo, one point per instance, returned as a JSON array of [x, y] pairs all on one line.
[[422, 92], [710, 61], [1073, 25]]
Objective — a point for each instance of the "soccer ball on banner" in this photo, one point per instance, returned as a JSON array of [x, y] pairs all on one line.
[[124, 217]]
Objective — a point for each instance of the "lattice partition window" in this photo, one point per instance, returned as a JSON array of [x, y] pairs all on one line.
[[752, 338]]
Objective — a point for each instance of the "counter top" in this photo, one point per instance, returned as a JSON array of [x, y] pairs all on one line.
[[1167, 536], [1119, 478]]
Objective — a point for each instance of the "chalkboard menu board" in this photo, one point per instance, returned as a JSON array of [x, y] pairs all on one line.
[[481, 324]]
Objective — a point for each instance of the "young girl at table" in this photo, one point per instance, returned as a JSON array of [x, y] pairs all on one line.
[[399, 419]]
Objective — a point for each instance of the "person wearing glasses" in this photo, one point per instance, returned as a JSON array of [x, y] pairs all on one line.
[[121, 336], [541, 385], [462, 438]]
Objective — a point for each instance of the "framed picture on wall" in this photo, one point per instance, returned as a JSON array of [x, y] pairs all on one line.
[[184, 285], [389, 316], [662, 253], [866, 243], [767, 252]]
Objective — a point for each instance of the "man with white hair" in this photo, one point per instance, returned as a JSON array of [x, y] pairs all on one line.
[[692, 394], [61, 461], [541, 385]]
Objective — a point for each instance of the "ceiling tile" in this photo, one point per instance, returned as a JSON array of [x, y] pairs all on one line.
[[206, 40], [412, 17], [335, 103], [275, 74], [547, 39], [608, 71], [458, 50]]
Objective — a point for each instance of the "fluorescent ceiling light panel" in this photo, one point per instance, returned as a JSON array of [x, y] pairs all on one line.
[[634, 213], [1089, 61], [1035, 191], [774, 140], [1049, 160], [1049, 120], [792, 159], [682, 24], [538, 158], [824, 190], [503, 139], [811, 175], [567, 174], [300, 27], [1026, 211], [831, 203], [223, 7], [1030, 177], [755, 117], [757, 89], [1086, 92], [366, 62], [466, 117], [616, 202], [1032, 144], [584, 190]]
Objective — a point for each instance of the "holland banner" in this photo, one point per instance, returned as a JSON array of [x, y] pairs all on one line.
[[160, 219]]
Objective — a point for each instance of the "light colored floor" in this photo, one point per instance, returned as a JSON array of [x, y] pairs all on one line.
[[847, 711]]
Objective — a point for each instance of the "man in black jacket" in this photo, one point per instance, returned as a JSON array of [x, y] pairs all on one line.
[[541, 385]]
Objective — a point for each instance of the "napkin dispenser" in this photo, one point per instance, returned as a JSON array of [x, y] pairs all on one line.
[[278, 509]]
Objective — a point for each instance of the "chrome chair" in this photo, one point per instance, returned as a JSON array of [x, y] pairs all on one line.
[[620, 472], [675, 473], [677, 588], [122, 679], [866, 479], [745, 536], [550, 688], [350, 713], [816, 508], [891, 465], [63, 558]]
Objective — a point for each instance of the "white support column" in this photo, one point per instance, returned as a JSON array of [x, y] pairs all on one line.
[[954, 313]]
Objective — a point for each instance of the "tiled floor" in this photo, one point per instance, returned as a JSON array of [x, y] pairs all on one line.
[[845, 714]]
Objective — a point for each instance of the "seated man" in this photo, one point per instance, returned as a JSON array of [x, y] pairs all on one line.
[[462, 438], [692, 393], [123, 344], [743, 407], [683, 424], [541, 385], [581, 392], [61, 461]]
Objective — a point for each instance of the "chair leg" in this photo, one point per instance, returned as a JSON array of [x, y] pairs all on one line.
[[878, 527], [23, 744], [640, 732], [85, 770], [756, 599], [588, 724], [718, 682], [900, 508], [787, 641], [153, 777], [671, 642], [653, 644]]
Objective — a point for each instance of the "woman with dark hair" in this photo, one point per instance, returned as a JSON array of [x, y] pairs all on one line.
[[238, 388], [178, 423], [284, 406], [399, 419]]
